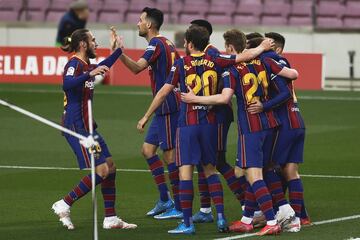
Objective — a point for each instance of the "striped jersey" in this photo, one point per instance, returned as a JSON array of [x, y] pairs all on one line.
[[250, 82], [76, 96], [289, 112], [161, 55], [224, 113], [200, 72]]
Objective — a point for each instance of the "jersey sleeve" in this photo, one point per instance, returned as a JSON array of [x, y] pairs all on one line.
[[152, 52], [110, 60], [174, 75], [279, 83], [273, 66], [224, 60], [70, 80], [229, 79]]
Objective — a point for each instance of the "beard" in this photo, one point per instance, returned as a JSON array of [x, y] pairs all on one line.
[[142, 34], [90, 53]]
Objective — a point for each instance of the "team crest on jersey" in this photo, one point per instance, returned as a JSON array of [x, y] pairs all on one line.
[[150, 48], [225, 56], [70, 71]]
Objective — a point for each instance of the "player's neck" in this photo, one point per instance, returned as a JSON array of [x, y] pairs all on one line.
[[82, 56], [195, 52], [151, 35]]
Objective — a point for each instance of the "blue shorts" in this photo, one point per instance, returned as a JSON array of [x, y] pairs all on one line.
[[222, 133], [196, 144], [289, 146], [83, 154], [254, 149], [162, 131]]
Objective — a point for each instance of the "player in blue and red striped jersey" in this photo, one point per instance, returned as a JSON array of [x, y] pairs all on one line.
[[196, 133], [78, 86], [224, 117], [249, 81], [289, 145], [159, 56]]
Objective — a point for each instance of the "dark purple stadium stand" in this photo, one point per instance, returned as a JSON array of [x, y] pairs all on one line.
[[328, 13]]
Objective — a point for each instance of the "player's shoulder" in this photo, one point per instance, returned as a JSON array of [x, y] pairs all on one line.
[[212, 50]]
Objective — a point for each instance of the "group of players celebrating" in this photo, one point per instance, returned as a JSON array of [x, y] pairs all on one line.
[[193, 113]]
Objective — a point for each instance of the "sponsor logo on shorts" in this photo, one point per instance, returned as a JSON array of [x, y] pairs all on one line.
[[89, 84], [295, 109], [200, 107]]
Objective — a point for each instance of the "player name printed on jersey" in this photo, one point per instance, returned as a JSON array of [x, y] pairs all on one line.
[[34, 65]]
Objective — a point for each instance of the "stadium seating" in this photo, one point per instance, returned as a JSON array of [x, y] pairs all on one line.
[[326, 13]]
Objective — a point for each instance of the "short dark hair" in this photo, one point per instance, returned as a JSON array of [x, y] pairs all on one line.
[[278, 39], [72, 43], [203, 23], [155, 15], [198, 36], [253, 35], [254, 42], [235, 38]]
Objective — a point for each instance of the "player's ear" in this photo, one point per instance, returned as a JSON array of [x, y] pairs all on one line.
[[148, 24]]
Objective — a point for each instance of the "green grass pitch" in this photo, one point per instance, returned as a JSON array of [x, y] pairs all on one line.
[[26, 195]]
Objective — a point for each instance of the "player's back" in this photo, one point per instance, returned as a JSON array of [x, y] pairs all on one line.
[[76, 98], [250, 82], [161, 57], [200, 73], [289, 112]]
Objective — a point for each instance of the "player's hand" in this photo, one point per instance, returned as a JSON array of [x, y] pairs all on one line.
[[256, 107], [89, 142], [100, 70], [188, 97], [267, 44], [115, 40], [141, 124]]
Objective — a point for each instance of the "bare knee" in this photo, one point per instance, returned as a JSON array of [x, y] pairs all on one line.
[[148, 150], [169, 156], [111, 165], [102, 170], [239, 172], [291, 171], [209, 170]]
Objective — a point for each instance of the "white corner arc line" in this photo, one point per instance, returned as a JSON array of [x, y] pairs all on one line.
[[334, 220]]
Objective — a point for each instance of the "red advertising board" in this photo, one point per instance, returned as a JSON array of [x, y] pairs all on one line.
[[46, 64]]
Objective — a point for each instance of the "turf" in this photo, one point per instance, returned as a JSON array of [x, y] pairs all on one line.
[[332, 148]]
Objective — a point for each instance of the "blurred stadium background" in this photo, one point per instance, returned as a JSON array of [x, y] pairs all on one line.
[[37, 166]]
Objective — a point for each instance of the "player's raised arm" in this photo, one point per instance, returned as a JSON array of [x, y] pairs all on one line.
[[134, 66], [156, 102], [250, 54]]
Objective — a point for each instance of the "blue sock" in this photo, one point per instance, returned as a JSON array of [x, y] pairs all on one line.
[[217, 194], [263, 198], [157, 170], [186, 191], [174, 181]]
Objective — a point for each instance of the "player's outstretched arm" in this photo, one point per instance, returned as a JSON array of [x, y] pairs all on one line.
[[218, 99], [156, 102], [135, 67], [252, 53]]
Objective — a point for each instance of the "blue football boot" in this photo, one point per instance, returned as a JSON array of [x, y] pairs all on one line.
[[160, 207], [183, 229], [201, 217], [222, 225], [172, 213]]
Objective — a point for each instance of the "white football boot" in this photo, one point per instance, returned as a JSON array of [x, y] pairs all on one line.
[[115, 222], [285, 215], [62, 210], [294, 226]]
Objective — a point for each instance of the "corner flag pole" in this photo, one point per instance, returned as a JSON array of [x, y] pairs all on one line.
[[41, 119], [93, 192]]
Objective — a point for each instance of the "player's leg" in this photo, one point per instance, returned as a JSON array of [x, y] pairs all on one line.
[[205, 214], [291, 172], [156, 167], [208, 143], [250, 157], [235, 184], [276, 147], [187, 156], [167, 134], [62, 207]]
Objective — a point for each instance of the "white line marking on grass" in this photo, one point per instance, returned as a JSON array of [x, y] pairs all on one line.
[[315, 223], [148, 93], [146, 170]]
